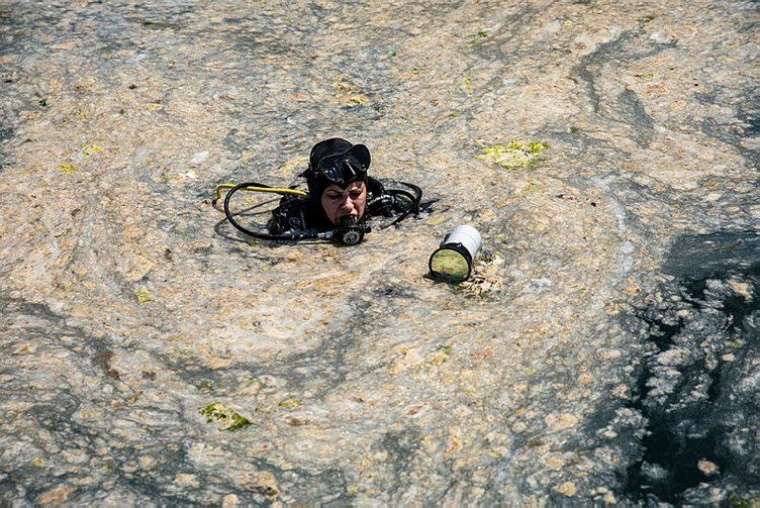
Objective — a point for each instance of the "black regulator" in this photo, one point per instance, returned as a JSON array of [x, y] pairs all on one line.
[[349, 231]]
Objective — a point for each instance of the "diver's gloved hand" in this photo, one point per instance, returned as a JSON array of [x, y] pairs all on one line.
[[349, 231]]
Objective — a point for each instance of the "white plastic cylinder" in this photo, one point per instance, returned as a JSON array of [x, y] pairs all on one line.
[[452, 261], [467, 236]]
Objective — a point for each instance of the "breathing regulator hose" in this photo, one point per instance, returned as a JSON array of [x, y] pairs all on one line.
[[257, 187], [413, 206], [348, 232]]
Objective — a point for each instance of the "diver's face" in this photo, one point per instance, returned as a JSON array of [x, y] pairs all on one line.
[[339, 202]]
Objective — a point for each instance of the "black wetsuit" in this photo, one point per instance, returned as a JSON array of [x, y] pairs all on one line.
[[302, 213]]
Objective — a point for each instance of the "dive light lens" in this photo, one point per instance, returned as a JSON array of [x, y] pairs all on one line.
[[449, 264]]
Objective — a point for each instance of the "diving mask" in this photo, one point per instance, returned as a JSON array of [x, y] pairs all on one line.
[[340, 169]]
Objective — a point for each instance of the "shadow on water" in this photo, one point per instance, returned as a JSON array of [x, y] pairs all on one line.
[[703, 340]]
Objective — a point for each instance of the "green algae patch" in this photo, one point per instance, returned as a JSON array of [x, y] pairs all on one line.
[[91, 150], [467, 86], [143, 296], [477, 38], [357, 100], [514, 155], [67, 168], [289, 404], [532, 187], [349, 94], [743, 502], [441, 355], [228, 419]]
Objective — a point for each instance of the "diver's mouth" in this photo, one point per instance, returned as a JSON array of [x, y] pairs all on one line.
[[352, 215]]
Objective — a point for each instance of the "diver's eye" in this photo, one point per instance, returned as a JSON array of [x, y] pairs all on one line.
[[355, 194], [335, 196]]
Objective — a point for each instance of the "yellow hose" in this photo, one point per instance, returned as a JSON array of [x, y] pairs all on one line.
[[283, 191]]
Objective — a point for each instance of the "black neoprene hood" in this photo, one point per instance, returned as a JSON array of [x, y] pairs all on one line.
[[336, 161]]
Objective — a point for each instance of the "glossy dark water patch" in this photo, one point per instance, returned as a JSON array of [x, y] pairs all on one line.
[[698, 385], [5, 133]]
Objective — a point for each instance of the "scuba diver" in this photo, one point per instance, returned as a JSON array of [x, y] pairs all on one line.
[[341, 198]]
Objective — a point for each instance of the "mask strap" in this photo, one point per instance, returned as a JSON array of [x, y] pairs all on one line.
[[350, 167]]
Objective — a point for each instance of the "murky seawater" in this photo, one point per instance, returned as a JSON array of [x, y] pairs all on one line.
[[604, 351]]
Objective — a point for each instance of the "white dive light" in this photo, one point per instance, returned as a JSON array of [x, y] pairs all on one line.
[[452, 261]]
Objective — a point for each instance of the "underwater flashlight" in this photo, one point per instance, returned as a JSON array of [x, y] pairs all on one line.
[[452, 261]]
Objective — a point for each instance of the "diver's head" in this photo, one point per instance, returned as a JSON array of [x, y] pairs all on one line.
[[337, 178]]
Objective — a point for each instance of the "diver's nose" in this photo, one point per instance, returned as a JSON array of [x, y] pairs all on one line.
[[348, 205]]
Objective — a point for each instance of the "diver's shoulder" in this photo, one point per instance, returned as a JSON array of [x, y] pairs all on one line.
[[374, 185], [297, 213], [291, 213]]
